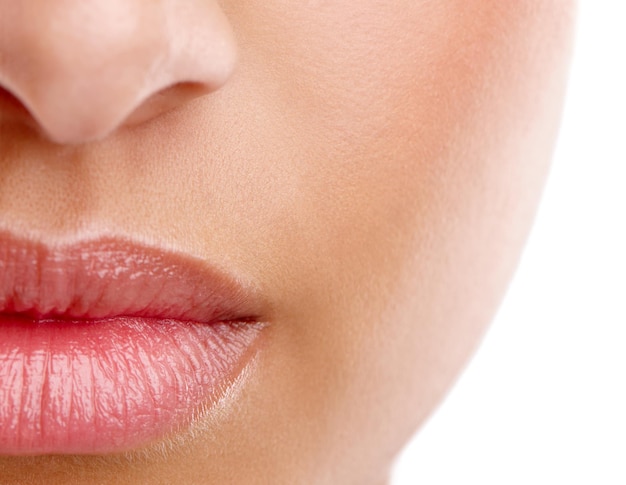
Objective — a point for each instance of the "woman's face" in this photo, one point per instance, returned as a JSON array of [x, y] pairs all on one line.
[[369, 169]]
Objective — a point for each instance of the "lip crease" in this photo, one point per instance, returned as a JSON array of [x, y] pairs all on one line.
[[108, 345]]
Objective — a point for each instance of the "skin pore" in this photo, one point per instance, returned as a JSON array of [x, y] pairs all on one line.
[[373, 166]]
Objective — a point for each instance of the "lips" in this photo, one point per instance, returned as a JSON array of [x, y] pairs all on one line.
[[108, 346]]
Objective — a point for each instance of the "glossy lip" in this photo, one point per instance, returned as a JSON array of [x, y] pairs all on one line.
[[107, 345]]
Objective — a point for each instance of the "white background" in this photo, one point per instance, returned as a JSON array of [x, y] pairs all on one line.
[[544, 400]]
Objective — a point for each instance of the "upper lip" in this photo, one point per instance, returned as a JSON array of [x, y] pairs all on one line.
[[112, 277]]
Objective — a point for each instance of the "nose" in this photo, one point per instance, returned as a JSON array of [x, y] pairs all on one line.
[[84, 68]]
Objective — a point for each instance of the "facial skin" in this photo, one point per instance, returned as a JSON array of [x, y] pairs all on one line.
[[375, 166]]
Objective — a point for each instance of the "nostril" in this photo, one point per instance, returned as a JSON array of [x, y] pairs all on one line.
[[11, 106], [12, 110], [167, 99], [14, 113], [75, 81]]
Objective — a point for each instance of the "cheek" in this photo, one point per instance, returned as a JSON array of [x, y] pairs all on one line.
[[403, 123], [423, 132], [390, 159]]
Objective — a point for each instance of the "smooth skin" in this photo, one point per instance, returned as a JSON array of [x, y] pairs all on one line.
[[374, 165]]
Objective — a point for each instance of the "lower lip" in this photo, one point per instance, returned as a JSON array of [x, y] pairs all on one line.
[[111, 385]]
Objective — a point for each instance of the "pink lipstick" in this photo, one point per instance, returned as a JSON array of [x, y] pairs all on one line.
[[107, 345]]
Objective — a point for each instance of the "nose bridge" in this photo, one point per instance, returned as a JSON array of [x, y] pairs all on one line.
[[82, 67]]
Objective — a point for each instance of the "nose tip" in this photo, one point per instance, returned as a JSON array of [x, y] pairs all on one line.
[[84, 69]]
